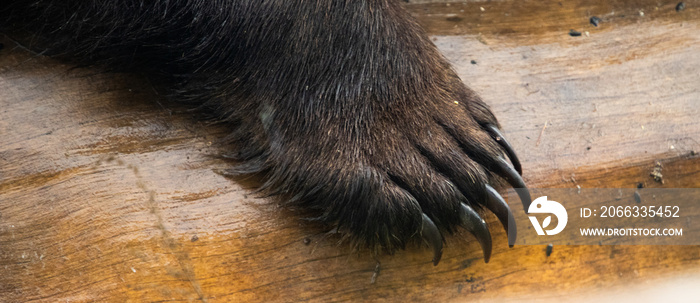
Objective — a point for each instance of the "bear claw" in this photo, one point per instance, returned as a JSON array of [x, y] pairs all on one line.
[[432, 235], [472, 222], [499, 207], [496, 135], [505, 171]]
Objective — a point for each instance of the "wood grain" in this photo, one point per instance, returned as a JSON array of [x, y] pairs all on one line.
[[109, 193]]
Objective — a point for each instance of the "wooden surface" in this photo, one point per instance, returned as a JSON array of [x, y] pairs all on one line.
[[108, 192]]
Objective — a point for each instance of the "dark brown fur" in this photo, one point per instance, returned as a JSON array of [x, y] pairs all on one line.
[[343, 107]]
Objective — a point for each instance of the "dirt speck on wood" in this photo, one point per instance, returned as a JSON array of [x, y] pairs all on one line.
[[680, 6], [656, 173]]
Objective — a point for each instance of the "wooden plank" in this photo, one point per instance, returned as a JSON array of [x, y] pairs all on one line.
[[107, 192], [624, 94]]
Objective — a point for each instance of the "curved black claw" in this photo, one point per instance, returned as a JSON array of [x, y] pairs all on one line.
[[477, 226], [496, 134], [500, 208], [432, 235], [507, 172]]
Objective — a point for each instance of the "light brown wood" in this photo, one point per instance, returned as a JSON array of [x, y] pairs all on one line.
[[109, 193]]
